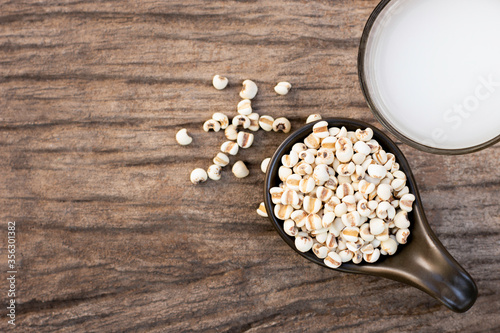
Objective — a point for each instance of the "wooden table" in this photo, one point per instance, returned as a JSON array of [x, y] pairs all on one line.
[[112, 236]]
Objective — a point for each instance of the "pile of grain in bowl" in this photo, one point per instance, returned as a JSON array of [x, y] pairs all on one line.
[[343, 196]]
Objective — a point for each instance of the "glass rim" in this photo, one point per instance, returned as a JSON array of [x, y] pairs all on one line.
[[378, 115]]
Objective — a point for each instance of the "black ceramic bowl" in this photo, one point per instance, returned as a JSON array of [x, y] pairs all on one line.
[[423, 262]]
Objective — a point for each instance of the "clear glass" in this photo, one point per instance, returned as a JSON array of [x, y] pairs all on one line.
[[430, 72]]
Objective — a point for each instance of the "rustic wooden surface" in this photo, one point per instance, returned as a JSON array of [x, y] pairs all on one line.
[[111, 234]]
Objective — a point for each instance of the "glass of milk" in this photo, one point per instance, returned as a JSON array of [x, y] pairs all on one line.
[[430, 72]]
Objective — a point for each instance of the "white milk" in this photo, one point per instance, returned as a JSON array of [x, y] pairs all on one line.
[[433, 70]]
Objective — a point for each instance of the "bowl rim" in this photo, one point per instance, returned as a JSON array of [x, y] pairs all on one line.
[[378, 115]]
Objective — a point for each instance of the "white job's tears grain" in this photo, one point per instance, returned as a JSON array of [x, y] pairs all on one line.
[[183, 138], [219, 82], [282, 88], [198, 176], [249, 89], [240, 170]]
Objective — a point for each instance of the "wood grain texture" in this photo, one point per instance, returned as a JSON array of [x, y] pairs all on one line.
[[113, 237]]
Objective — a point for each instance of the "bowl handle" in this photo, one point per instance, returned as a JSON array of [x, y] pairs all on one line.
[[430, 268]]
